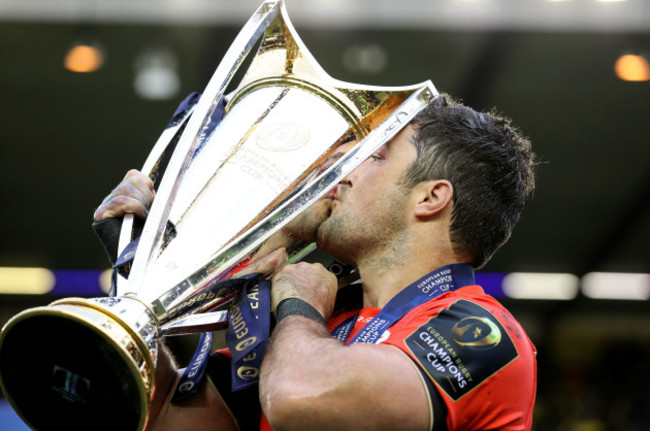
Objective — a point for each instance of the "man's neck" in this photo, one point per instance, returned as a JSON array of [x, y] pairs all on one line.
[[383, 278]]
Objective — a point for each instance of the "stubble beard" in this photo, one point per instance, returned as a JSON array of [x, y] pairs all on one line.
[[353, 238]]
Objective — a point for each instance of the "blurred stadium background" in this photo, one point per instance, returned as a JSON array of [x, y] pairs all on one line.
[[573, 75]]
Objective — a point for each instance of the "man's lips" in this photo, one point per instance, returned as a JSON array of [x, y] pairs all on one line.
[[333, 194], [336, 193], [339, 191]]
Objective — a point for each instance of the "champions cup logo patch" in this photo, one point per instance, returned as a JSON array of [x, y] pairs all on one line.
[[461, 347], [283, 137]]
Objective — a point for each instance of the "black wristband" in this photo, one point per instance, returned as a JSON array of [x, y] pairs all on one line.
[[296, 306]]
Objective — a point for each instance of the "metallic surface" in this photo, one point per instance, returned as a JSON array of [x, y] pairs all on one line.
[[229, 187], [284, 96], [127, 326]]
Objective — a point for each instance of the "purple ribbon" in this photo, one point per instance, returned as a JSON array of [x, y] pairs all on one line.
[[191, 378], [248, 332]]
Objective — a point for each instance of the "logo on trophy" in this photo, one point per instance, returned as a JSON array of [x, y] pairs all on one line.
[[231, 170]]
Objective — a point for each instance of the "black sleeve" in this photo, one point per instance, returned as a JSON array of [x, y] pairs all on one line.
[[438, 406], [108, 232], [245, 403]]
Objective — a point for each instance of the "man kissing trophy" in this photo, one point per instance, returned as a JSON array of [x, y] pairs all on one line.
[[234, 167]]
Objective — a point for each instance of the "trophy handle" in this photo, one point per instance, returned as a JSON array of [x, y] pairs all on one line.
[[213, 93], [154, 166]]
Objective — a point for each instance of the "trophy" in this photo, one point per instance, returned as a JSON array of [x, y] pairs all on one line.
[[231, 171]]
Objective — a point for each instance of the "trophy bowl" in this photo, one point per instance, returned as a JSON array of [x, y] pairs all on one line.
[[75, 364]]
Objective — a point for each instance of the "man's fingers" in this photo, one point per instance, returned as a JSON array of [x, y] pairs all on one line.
[[117, 206], [311, 282], [134, 195], [141, 182], [268, 264]]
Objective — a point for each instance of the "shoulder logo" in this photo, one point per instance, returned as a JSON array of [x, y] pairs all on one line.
[[461, 347], [283, 136], [476, 332]]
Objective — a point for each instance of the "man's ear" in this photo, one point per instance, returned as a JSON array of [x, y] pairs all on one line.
[[433, 197]]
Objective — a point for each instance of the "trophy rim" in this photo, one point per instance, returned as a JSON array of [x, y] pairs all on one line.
[[89, 303], [66, 309], [320, 91]]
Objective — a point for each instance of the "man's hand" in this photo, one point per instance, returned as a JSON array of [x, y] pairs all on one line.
[[134, 195], [265, 265], [305, 225], [310, 282]]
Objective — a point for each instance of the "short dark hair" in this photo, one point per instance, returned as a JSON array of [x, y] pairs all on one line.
[[489, 164]]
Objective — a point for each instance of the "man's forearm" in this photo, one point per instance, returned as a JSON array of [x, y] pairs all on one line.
[[295, 373], [310, 380], [165, 382], [204, 411]]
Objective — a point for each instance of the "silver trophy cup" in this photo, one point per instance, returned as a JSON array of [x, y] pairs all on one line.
[[230, 174]]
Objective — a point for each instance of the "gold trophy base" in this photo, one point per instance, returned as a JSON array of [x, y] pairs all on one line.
[[75, 365]]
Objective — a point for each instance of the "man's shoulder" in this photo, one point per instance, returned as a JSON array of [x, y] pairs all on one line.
[[460, 304], [468, 307], [465, 335], [471, 348]]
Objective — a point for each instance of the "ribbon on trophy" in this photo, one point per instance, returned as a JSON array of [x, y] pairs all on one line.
[[248, 332], [193, 374]]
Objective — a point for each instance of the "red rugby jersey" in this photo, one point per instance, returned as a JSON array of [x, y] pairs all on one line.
[[477, 355]]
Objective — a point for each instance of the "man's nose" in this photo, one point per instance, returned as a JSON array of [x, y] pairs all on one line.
[[352, 176]]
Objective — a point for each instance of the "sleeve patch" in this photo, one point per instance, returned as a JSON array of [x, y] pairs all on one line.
[[461, 347]]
